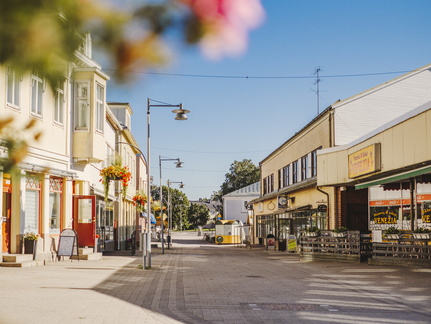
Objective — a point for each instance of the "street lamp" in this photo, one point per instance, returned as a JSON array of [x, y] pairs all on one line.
[[178, 164], [170, 209], [180, 115]]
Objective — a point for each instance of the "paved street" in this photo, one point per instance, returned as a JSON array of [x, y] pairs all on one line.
[[198, 282]]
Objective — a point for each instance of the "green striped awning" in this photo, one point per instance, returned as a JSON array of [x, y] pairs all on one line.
[[395, 177]]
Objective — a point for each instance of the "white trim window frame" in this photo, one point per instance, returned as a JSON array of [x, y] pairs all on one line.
[[13, 89], [100, 108], [36, 94], [82, 106], [304, 167], [60, 104]]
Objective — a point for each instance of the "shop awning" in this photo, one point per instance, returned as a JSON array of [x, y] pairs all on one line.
[[395, 177]]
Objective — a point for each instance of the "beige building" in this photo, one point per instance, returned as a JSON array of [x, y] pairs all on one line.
[[291, 197], [79, 136], [393, 163]]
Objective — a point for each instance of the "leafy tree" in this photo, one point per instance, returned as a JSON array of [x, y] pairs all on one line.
[[242, 173], [44, 34], [179, 204], [198, 214]]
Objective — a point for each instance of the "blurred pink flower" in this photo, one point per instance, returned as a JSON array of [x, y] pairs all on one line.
[[226, 24]]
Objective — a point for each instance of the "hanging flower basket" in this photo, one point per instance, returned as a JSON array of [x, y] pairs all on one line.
[[140, 200], [115, 172]]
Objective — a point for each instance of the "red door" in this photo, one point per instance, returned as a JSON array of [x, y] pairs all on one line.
[[5, 220], [84, 219]]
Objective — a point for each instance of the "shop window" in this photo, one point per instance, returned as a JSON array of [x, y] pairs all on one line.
[[32, 205], [55, 193]]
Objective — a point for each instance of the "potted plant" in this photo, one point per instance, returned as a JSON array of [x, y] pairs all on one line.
[[115, 172], [393, 233], [30, 240], [421, 233], [340, 231], [312, 231]]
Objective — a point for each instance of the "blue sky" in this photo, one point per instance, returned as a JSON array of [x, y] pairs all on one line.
[[245, 107]]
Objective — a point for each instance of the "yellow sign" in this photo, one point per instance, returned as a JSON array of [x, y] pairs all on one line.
[[291, 245], [364, 161]]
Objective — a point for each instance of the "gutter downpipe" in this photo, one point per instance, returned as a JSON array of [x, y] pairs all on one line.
[[327, 202]]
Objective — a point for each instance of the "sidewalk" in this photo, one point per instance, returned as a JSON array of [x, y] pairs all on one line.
[[199, 282]]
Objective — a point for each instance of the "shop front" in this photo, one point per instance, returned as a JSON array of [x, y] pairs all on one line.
[[288, 222]]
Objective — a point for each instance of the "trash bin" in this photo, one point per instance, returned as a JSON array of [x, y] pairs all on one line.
[[282, 246]]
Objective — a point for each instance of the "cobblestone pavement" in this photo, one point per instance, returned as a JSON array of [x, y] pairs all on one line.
[[198, 282]]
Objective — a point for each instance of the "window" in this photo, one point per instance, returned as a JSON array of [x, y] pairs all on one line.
[[314, 163], [59, 104], [268, 184], [82, 112], [304, 167], [100, 105], [32, 205], [36, 94], [286, 176], [12, 88], [295, 172], [55, 190]]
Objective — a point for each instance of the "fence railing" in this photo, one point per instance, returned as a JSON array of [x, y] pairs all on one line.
[[351, 244]]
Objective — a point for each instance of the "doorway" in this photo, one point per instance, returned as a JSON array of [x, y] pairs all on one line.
[[6, 216]]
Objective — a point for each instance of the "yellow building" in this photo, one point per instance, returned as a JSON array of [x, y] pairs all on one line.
[[392, 163], [294, 193]]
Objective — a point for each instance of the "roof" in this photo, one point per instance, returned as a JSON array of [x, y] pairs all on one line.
[[250, 190]]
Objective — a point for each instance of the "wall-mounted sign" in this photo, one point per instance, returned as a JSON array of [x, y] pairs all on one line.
[[283, 201], [365, 161], [322, 208]]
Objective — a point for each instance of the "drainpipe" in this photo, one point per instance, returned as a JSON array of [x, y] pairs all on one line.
[[327, 202]]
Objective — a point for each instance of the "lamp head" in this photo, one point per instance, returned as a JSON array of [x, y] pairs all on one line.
[[181, 113], [182, 185], [179, 164]]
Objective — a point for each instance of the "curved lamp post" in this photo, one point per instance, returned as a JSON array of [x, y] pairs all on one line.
[[180, 115], [178, 164]]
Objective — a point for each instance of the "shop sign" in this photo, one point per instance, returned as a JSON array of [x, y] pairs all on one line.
[[364, 161], [322, 208]]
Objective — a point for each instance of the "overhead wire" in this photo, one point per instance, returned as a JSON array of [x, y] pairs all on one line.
[[260, 77]]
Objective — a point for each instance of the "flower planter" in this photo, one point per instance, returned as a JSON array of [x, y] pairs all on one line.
[[422, 236], [341, 234], [29, 246], [393, 236]]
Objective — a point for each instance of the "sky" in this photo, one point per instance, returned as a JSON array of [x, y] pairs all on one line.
[[247, 106]]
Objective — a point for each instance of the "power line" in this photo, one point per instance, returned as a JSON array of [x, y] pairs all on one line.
[[261, 77]]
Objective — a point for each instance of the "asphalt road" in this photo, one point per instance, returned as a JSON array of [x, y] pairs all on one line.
[[199, 282]]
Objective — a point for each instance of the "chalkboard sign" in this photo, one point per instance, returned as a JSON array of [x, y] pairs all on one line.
[[68, 243]]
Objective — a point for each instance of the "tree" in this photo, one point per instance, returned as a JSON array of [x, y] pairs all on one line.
[[198, 214], [45, 34], [178, 201], [242, 173]]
